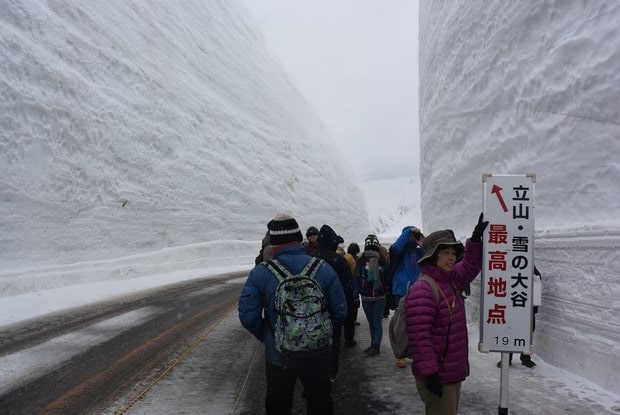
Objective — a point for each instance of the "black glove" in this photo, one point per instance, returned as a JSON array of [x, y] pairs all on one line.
[[467, 290], [356, 302], [476, 235], [433, 384]]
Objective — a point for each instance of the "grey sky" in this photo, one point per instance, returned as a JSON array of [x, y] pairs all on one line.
[[355, 61]]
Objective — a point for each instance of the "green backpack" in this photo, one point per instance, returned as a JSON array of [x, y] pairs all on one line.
[[303, 325]]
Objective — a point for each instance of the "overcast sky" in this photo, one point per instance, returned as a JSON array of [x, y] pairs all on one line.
[[355, 61]]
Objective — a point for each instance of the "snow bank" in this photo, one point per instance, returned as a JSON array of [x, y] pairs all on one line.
[[189, 259], [129, 127], [533, 87]]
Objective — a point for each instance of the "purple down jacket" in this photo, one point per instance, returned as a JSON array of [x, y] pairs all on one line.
[[428, 321]]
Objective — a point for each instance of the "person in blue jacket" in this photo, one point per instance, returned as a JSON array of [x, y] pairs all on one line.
[[257, 315], [404, 255]]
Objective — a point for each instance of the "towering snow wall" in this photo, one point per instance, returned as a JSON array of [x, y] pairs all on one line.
[[130, 126], [533, 87]]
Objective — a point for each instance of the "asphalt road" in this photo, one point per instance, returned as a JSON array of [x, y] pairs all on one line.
[[162, 323], [182, 350]]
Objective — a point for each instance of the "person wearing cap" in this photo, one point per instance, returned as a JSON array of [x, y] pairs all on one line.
[[312, 236], [327, 244], [436, 324], [370, 284], [257, 315]]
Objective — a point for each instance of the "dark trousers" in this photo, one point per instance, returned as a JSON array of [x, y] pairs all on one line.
[[313, 373], [349, 323], [349, 333], [355, 309], [334, 355]]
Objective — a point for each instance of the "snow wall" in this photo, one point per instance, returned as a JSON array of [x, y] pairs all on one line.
[[129, 127], [533, 87]]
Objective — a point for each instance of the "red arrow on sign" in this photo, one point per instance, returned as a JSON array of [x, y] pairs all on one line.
[[496, 189]]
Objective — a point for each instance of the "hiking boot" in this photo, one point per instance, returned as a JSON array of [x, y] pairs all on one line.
[[349, 343], [366, 350], [526, 361], [401, 363], [373, 351]]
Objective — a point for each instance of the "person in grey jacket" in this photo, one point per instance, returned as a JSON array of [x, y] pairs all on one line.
[[257, 315]]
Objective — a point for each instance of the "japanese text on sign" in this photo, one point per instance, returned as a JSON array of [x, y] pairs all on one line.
[[506, 294]]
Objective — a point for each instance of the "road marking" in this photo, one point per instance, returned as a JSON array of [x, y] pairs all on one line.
[[177, 361], [19, 368]]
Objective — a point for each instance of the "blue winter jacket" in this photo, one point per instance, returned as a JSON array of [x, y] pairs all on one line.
[[259, 290], [407, 271]]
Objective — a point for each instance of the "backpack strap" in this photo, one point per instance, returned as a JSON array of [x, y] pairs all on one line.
[[436, 289], [432, 283], [312, 267], [278, 269], [281, 271]]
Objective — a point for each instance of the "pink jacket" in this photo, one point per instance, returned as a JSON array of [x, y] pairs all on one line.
[[428, 320]]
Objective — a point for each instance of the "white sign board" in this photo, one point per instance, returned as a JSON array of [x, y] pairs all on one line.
[[507, 263]]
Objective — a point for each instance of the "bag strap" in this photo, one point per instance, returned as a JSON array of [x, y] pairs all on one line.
[[281, 271], [312, 267], [435, 288], [432, 283]]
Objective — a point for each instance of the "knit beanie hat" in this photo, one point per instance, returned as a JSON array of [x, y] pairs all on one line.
[[283, 229], [371, 243]]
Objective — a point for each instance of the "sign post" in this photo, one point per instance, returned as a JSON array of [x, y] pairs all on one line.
[[507, 267]]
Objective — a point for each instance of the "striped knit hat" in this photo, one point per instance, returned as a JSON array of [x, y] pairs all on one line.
[[283, 229]]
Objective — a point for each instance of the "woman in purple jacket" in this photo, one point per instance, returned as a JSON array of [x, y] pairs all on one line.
[[436, 321]]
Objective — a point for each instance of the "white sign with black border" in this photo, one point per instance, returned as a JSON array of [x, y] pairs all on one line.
[[507, 263]]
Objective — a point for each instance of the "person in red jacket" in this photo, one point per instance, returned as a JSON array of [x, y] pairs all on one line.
[[436, 325]]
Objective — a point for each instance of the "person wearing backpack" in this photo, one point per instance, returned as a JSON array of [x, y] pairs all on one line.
[[404, 269], [436, 325], [327, 250], [370, 284], [260, 315]]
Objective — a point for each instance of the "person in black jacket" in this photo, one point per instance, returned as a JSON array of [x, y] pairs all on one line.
[[327, 243]]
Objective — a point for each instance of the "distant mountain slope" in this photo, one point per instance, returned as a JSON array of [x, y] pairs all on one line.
[[392, 205]]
